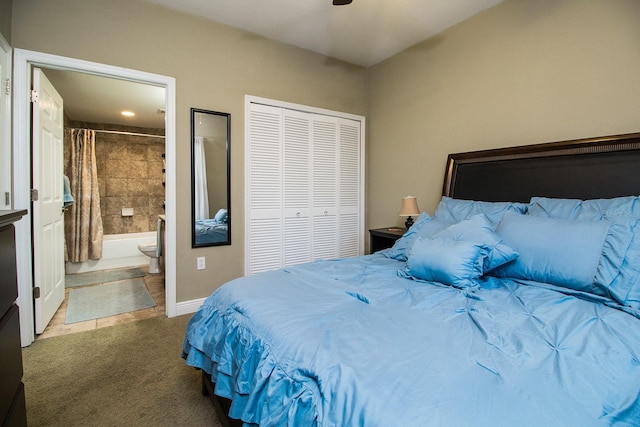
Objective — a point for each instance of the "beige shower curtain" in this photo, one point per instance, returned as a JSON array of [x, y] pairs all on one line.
[[83, 220]]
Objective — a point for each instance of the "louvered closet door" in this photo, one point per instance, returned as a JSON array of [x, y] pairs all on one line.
[[349, 220], [297, 187], [325, 186], [264, 187], [304, 187]]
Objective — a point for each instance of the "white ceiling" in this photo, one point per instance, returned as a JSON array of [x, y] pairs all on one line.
[[95, 99], [363, 33]]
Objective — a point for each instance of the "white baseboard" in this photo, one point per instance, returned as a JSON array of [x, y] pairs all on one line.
[[188, 307]]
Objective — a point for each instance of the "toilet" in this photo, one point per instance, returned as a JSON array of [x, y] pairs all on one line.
[[154, 250], [151, 250]]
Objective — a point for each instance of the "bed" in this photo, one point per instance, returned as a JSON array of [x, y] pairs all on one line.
[[516, 303]]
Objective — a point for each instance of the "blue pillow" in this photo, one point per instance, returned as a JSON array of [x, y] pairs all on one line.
[[457, 263], [618, 274], [456, 210], [424, 226], [478, 229], [618, 207], [614, 277], [221, 216], [557, 251]]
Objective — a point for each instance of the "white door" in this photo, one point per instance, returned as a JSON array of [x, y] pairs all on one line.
[[325, 176], [48, 217], [296, 186], [349, 217], [264, 195]]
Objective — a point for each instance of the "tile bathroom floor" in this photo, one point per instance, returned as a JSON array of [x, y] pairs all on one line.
[[155, 285]]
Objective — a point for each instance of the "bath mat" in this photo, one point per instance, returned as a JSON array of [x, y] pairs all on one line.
[[104, 276], [107, 299]]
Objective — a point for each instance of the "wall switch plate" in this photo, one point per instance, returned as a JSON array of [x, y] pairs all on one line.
[[200, 263], [127, 211]]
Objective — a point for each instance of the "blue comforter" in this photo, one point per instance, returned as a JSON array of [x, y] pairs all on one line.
[[349, 343]]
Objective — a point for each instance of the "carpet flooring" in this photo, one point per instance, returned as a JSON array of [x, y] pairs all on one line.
[[103, 276], [125, 375], [107, 299]]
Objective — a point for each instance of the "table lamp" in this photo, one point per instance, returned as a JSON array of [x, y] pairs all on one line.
[[409, 208]]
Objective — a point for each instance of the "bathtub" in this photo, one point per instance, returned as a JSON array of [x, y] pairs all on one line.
[[118, 251]]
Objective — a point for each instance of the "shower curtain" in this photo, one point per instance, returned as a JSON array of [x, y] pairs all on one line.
[[201, 202], [83, 219]]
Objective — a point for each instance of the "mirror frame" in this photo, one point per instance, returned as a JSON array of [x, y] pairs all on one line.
[[195, 244]]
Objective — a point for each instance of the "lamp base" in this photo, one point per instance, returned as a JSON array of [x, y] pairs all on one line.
[[409, 222]]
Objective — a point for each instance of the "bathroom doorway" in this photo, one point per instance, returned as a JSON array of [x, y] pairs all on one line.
[[24, 62], [114, 171], [118, 161]]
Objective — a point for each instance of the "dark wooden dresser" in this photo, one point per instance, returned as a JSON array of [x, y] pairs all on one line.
[[12, 404]]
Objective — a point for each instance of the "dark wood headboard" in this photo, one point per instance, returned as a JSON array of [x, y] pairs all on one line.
[[591, 168]]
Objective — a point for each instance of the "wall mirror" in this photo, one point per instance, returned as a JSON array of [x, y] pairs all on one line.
[[210, 178]]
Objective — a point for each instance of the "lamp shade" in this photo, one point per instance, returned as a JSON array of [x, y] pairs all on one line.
[[409, 207]]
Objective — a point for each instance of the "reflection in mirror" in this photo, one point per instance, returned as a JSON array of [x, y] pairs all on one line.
[[210, 172]]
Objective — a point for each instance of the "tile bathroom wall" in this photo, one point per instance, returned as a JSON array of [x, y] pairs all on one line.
[[129, 176]]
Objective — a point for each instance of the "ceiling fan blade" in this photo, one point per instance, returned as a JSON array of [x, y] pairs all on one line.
[[341, 2]]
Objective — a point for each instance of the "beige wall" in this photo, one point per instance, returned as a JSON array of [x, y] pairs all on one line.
[[5, 19], [521, 73], [214, 66]]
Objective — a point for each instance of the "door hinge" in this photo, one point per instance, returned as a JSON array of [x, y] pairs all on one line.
[[7, 198], [34, 195], [36, 292], [34, 96], [7, 87]]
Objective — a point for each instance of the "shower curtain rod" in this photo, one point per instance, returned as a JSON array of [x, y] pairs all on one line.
[[120, 132]]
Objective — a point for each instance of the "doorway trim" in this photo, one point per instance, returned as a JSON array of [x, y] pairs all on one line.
[[5, 126], [23, 61]]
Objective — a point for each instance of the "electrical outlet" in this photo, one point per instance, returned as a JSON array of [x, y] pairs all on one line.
[[201, 263]]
